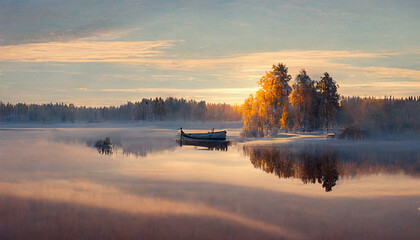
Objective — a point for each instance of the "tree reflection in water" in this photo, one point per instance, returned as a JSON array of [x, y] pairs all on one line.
[[104, 146], [326, 163], [309, 166], [138, 147]]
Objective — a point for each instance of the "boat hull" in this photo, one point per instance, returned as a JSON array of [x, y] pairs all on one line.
[[211, 136]]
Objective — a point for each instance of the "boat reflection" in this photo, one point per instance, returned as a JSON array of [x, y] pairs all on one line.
[[210, 145], [327, 164]]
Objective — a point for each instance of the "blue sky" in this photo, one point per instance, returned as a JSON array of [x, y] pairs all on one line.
[[110, 52]]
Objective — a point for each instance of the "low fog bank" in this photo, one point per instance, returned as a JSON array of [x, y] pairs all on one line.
[[138, 139], [395, 141]]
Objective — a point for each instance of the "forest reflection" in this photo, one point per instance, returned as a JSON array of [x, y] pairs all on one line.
[[326, 164], [138, 147], [104, 146], [210, 145]]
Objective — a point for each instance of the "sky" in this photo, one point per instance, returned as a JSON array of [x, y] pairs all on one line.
[[100, 53]]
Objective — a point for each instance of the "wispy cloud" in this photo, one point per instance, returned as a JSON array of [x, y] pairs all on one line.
[[214, 95], [152, 54], [84, 51], [381, 89], [382, 72], [241, 70], [176, 91], [146, 52]]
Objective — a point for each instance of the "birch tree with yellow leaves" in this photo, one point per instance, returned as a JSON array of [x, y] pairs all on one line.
[[262, 113]]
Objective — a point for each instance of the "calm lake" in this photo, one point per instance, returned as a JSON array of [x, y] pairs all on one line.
[[56, 183]]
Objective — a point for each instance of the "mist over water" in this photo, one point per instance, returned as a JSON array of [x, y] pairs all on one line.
[[55, 184]]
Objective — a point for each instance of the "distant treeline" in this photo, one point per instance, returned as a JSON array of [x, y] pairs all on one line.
[[308, 105], [147, 109], [380, 116]]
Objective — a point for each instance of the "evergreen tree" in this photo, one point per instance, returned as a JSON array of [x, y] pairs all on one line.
[[306, 100], [327, 88], [147, 109]]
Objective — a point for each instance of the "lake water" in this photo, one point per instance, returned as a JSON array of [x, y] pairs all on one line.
[[55, 184]]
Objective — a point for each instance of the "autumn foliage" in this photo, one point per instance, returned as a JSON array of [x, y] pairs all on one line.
[[309, 105], [305, 106]]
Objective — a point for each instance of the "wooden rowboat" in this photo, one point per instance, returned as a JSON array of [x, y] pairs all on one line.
[[209, 136]]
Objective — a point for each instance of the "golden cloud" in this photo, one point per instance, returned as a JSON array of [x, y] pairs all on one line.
[[83, 51], [241, 68]]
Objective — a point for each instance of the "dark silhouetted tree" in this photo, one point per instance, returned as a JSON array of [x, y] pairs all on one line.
[[327, 88]]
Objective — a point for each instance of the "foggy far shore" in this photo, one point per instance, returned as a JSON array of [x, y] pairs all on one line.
[[354, 118]]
